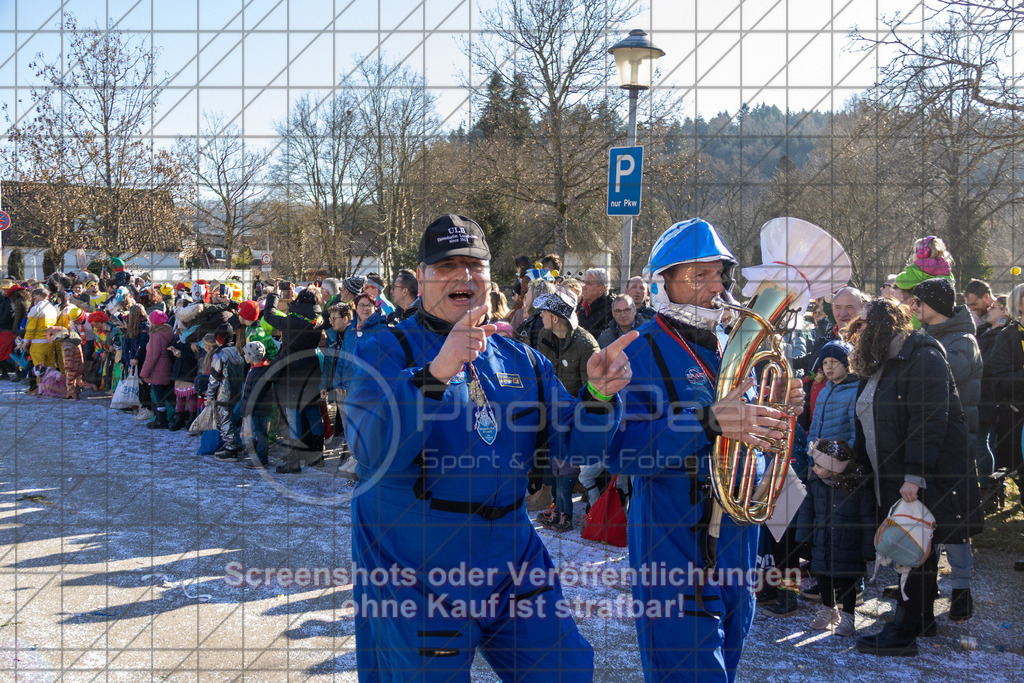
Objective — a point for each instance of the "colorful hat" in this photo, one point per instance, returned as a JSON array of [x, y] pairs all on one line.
[[249, 311], [201, 291]]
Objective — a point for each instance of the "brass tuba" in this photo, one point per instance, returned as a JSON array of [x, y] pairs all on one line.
[[800, 261], [757, 337]]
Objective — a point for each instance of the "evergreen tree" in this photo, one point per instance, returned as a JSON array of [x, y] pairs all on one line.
[[493, 112], [52, 262], [16, 264]]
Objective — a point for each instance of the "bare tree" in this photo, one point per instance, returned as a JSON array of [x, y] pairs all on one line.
[[95, 177], [555, 48], [950, 106], [397, 116], [964, 46], [318, 164], [229, 177]]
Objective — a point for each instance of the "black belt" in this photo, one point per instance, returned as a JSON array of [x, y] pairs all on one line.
[[488, 512]]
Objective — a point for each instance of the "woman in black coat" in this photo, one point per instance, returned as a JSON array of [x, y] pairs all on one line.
[[183, 374], [296, 375], [912, 438], [1007, 369]]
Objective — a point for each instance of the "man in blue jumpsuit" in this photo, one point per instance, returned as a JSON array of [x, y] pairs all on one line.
[[669, 426], [444, 420]]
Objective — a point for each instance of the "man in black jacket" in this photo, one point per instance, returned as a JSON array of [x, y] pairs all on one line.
[[595, 309]]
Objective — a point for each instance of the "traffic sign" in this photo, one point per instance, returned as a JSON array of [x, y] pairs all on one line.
[[5, 221], [266, 259], [625, 174]]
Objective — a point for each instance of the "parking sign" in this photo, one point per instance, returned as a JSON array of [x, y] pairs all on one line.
[[625, 174]]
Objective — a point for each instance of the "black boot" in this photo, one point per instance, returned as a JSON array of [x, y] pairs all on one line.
[[961, 608], [178, 422], [769, 596], [897, 639], [160, 422], [785, 606]]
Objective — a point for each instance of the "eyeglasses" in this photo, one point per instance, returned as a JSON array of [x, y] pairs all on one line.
[[365, 307], [623, 310]]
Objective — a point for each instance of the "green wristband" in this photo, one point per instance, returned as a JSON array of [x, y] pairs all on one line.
[[597, 394]]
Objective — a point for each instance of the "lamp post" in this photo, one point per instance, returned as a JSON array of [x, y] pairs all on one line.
[[634, 60]]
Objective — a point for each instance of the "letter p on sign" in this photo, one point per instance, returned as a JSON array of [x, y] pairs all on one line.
[[624, 166]]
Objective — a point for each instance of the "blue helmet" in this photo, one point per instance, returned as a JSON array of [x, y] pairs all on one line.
[[691, 241]]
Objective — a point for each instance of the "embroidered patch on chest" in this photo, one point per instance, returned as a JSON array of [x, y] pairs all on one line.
[[696, 376], [509, 380]]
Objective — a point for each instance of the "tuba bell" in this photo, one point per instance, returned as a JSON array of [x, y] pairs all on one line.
[[800, 262]]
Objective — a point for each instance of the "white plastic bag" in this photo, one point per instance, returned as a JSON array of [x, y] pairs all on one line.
[[127, 393], [205, 421]]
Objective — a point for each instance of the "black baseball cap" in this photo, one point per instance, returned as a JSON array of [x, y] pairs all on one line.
[[452, 235]]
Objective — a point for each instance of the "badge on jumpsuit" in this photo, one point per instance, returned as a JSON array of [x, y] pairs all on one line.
[[485, 423], [485, 426]]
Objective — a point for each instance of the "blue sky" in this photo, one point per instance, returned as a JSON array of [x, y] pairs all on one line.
[[249, 60]]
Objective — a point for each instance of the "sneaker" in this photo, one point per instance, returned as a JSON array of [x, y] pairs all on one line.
[[251, 464], [813, 593], [144, 414], [546, 517], [786, 605], [825, 618], [347, 469], [227, 456], [847, 625], [563, 523]]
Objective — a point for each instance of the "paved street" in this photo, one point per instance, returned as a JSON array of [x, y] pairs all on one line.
[[117, 543]]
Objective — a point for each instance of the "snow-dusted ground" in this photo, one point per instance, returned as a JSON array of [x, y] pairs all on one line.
[[114, 543]]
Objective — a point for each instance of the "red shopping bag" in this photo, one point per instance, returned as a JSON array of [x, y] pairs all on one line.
[[325, 418], [606, 521]]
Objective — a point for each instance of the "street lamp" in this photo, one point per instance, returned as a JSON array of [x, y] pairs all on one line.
[[634, 59]]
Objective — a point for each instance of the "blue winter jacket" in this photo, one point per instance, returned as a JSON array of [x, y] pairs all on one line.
[[345, 366], [332, 354], [834, 412]]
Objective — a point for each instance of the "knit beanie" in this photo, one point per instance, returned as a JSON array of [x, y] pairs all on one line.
[[254, 352], [157, 318], [938, 293], [353, 284], [249, 311], [837, 349]]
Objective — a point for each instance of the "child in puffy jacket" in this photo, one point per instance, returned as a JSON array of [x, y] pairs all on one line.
[[833, 416], [224, 389], [842, 516], [256, 406]]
